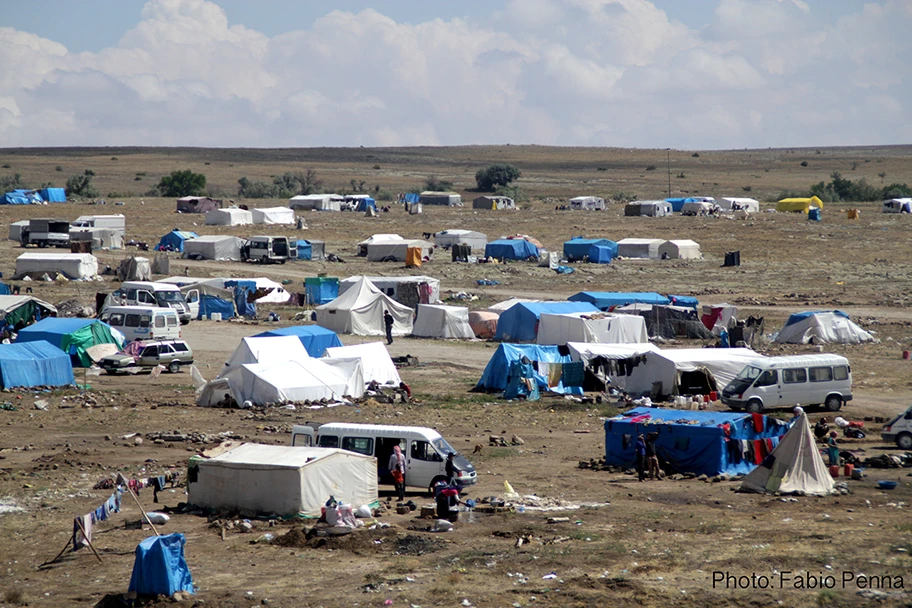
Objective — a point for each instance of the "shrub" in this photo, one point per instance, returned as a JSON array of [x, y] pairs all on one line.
[[804, 163], [58, 168], [496, 175], [434, 184], [89, 172], [11, 182], [651, 168], [81, 185]]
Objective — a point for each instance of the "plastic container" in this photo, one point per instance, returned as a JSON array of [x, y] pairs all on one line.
[[886, 485], [907, 355], [834, 471], [215, 316], [847, 470], [713, 396]]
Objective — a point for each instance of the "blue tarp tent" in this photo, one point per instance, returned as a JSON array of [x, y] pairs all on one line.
[[209, 304], [685, 301], [34, 364], [53, 195], [519, 323], [160, 567], [677, 204], [412, 197], [71, 335], [241, 288], [602, 254], [364, 203], [801, 316], [511, 249], [494, 378], [20, 197], [702, 443], [174, 240], [577, 248], [604, 300], [321, 290], [303, 250], [315, 339]]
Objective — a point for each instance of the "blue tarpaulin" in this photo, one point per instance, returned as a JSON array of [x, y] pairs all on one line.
[[53, 195], [160, 567], [365, 203], [801, 316], [304, 250], [34, 364], [511, 249], [174, 240], [496, 373], [315, 339], [519, 323], [72, 335], [5, 290], [602, 254], [604, 300], [702, 443], [677, 204], [412, 197], [321, 290], [52, 329], [20, 197], [577, 248], [685, 301], [209, 304]]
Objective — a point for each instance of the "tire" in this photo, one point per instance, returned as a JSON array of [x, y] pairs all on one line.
[[833, 403], [434, 482], [174, 367], [754, 406], [904, 441]]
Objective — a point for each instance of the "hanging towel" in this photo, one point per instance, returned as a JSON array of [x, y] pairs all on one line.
[[80, 539], [554, 374], [573, 374], [758, 423]]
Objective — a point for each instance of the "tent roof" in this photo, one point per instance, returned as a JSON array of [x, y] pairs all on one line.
[[214, 238], [381, 238], [588, 350], [280, 456], [607, 299], [684, 418], [269, 349], [359, 294], [375, 360], [797, 317], [10, 303], [640, 241]]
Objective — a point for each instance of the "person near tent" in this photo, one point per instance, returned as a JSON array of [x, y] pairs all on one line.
[[821, 428], [652, 458], [833, 449], [447, 499], [397, 470], [641, 457], [406, 389], [388, 323], [797, 413]]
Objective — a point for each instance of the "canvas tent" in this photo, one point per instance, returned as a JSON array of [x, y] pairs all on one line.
[[174, 240], [500, 307], [520, 322], [310, 250], [321, 290], [408, 290], [679, 204], [483, 323], [20, 310], [607, 300], [894, 205], [639, 248], [648, 208], [283, 480], [799, 205], [273, 215], [718, 317], [214, 247], [822, 327], [53, 195], [71, 335], [197, 204], [700, 443], [397, 251], [377, 238], [16, 228], [448, 238], [587, 203], [265, 349], [29, 364], [270, 292], [735, 203], [314, 338], [231, 216], [669, 322], [590, 327], [511, 249], [359, 311], [693, 208], [680, 250], [74, 266], [493, 202], [316, 202], [439, 321], [578, 248], [21, 197], [602, 254], [793, 467], [496, 373], [100, 238], [376, 363], [447, 199]]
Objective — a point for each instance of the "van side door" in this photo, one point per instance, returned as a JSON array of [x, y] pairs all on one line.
[[424, 464], [766, 387], [793, 386]]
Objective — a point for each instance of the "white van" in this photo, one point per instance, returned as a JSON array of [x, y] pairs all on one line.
[[143, 322], [789, 381], [899, 430], [425, 449], [166, 295]]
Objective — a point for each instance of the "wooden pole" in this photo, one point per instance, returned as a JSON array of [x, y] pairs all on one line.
[[62, 551], [130, 490], [86, 537]]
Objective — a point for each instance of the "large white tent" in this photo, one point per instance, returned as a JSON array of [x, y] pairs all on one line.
[[73, 265], [316, 202], [649, 208], [376, 363], [360, 309], [397, 250], [276, 296], [735, 203], [267, 349], [273, 215], [439, 321], [377, 238], [794, 466], [587, 203], [402, 289], [448, 238], [606, 328], [680, 250], [214, 247], [824, 327], [230, 216], [283, 480], [897, 205], [639, 248]]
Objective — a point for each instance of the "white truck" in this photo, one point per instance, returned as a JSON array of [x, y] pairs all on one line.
[[266, 250], [46, 232]]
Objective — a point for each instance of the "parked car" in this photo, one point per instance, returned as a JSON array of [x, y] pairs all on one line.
[[169, 353], [900, 430]]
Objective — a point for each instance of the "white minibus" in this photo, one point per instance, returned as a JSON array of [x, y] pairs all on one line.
[[143, 322]]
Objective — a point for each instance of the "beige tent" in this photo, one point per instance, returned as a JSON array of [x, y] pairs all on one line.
[[680, 250], [795, 466]]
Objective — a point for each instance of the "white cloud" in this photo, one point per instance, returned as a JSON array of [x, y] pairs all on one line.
[[601, 72]]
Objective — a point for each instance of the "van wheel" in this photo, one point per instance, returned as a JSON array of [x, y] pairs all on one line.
[[904, 441], [434, 482], [174, 367], [754, 406], [833, 403]]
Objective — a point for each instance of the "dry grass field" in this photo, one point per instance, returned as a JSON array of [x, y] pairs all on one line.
[[647, 544]]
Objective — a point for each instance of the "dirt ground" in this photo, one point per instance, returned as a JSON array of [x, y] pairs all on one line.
[[644, 544]]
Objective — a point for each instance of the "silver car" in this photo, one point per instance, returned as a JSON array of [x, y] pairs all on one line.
[[169, 353]]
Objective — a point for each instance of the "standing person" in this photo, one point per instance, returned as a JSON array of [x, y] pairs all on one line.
[[641, 457], [388, 323], [833, 449], [450, 468], [652, 459], [397, 470]]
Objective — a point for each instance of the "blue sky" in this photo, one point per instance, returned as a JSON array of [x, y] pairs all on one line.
[[694, 74]]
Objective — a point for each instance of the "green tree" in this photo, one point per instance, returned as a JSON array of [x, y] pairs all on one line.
[[182, 183], [11, 182], [896, 191], [496, 175], [81, 185], [258, 189]]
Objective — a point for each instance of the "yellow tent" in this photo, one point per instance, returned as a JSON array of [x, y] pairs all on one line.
[[799, 205]]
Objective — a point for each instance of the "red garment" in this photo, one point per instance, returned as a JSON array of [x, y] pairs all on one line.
[[759, 450], [769, 445], [727, 429], [758, 422]]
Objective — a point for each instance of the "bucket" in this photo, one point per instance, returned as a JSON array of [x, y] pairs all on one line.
[[713, 396], [215, 316], [906, 355], [834, 471], [847, 470]]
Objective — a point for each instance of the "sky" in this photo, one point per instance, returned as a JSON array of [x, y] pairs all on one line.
[[684, 74]]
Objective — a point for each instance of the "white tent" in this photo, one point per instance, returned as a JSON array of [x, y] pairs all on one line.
[[897, 205], [376, 363], [439, 321], [266, 349], [397, 250], [214, 247], [377, 238], [650, 208], [360, 309], [101, 238], [16, 228], [276, 296], [734, 203], [587, 203], [825, 327], [697, 208], [273, 215], [639, 248], [316, 202], [447, 199], [605, 328], [680, 250], [448, 238], [230, 216], [397, 287], [793, 467], [283, 480], [71, 265]]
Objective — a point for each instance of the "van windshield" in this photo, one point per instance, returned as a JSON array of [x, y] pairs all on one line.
[[748, 373], [443, 448], [169, 296], [743, 380]]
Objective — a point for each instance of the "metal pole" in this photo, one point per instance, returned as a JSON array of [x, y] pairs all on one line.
[[668, 167]]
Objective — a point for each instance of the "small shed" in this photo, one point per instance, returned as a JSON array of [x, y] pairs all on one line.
[[648, 208], [197, 204], [602, 254], [232, 216], [680, 250], [445, 199], [494, 202], [587, 203], [639, 248], [321, 290]]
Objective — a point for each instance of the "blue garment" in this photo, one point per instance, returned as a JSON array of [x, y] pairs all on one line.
[[641, 447], [160, 567]]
